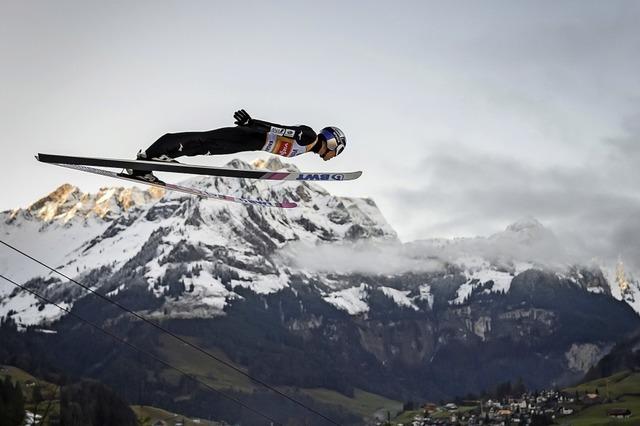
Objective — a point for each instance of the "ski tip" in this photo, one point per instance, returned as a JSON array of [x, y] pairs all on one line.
[[42, 158], [348, 176], [288, 205]]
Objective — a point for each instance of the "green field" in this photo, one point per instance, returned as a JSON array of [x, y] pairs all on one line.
[[211, 372], [149, 415], [623, 388], [619, 384], [50, 392], [221, 377], [363, 403], [597, 415]]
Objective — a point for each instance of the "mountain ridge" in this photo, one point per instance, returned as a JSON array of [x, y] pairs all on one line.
[[327, 285], [346, 231]]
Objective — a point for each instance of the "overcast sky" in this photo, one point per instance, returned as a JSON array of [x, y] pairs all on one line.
[[464, 116]]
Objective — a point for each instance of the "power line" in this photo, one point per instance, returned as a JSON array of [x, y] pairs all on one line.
[[175, 336], [149, 354]]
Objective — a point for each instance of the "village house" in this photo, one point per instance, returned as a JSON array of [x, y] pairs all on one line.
[[504, 413], [619, 413], [429, 408], [565, 411], [548, 405]]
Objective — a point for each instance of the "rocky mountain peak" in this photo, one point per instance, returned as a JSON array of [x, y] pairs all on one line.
[[238, 164], [68, 202], [627, 285], [273, 163], [527, 224], [527, 230], [46, 207]]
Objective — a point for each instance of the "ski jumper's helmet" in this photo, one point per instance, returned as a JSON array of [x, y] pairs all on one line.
[[336, 140]]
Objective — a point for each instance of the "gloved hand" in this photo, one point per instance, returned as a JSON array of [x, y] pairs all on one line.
[[242, 118]]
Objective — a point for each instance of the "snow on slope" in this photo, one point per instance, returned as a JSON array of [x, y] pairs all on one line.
[[479, 272], [50, 242], [79, 233], [214, 248], [426, 294], [401, 298], [351, 300], [55, 227], [54, 230], [28, 309]]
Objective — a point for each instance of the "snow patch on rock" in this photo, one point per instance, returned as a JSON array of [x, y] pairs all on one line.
[[426, 294], [353, 300], [264, 284], [28, 310], [401, 298]]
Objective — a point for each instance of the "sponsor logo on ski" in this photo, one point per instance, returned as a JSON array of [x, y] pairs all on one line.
[[320, 176]]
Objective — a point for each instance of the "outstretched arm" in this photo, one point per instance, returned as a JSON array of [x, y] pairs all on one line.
[[243, 118], [303, 134]]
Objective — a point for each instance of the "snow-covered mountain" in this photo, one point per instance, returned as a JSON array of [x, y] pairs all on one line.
[[526, 244], [204, 239], [81, 233], [328, 284]]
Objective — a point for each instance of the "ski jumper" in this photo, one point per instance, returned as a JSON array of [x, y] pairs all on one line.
[[287, 141]]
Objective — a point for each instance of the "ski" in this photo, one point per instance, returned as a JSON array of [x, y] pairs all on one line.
[[197, 170], [183, 189]]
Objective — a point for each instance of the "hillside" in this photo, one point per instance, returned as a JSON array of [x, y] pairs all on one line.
[[42, 400], [619, 391]]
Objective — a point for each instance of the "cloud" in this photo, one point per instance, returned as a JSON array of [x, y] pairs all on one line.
[[362, 257], [526, 240], [593, 207]]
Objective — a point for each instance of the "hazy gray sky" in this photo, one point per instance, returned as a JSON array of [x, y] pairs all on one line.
[[464, 116]]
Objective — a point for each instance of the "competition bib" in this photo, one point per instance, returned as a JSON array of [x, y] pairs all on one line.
[[281, 141]]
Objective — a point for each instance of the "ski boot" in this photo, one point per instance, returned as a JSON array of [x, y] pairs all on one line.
[[144, 175], [142, 155], [147, 175]]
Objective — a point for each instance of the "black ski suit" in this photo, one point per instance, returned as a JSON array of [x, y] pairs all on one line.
[[258, 135]]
